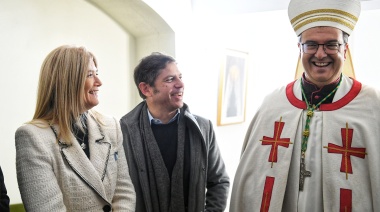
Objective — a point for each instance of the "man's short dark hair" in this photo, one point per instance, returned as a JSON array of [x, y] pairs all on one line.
[[149, 68]]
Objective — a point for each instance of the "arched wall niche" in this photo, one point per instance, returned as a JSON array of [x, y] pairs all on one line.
[[150, 31]]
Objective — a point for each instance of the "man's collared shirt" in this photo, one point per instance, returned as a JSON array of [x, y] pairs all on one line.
[[158, 121]]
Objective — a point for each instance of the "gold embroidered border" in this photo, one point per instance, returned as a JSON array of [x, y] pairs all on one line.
[[325, 15], [340, 12], [337, 20]]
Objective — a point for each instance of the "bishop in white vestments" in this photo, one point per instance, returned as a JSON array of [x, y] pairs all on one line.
[[314, 144]]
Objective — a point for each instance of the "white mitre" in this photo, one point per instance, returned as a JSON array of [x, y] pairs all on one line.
[[341, 14]]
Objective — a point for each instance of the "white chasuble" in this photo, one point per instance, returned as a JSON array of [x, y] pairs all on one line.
[[343, 154]]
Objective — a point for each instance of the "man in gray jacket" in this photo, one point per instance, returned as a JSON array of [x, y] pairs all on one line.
[[174, 160]]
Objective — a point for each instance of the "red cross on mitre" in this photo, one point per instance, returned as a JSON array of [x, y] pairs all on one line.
[[346, 150], [276, 141]]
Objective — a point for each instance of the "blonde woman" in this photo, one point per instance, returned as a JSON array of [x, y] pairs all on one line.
[[69, 157]]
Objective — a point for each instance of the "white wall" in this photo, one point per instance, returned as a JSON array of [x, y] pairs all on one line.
[[273, 53], [366, 46], [29, 30]]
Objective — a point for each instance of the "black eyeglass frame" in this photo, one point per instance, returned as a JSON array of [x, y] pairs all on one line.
[[324, 47]]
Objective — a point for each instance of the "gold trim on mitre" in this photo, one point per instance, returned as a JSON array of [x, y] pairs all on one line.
[[329, 19], [341, 14], [334, 11]]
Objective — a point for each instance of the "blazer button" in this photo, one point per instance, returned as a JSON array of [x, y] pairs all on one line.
[[107, 208]]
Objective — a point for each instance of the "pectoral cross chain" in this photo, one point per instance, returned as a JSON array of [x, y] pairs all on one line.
[[303, 173]]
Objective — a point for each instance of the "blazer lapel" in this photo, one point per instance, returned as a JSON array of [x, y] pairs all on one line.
[[82, 166], [100, 147]]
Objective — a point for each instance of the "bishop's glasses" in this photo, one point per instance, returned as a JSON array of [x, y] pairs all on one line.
[[329, 48]]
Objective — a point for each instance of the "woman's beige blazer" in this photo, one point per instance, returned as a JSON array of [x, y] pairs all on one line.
[[56, 177]]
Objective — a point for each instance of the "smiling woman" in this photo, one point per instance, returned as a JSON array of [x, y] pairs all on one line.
[[91, 86], [53, 150]]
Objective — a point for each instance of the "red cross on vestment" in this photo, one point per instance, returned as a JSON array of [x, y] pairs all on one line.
[[267, 194], [276, 141], [345, 200], [346, 150]]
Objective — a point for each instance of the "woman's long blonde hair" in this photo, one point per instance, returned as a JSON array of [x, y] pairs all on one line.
[[60, 96]]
